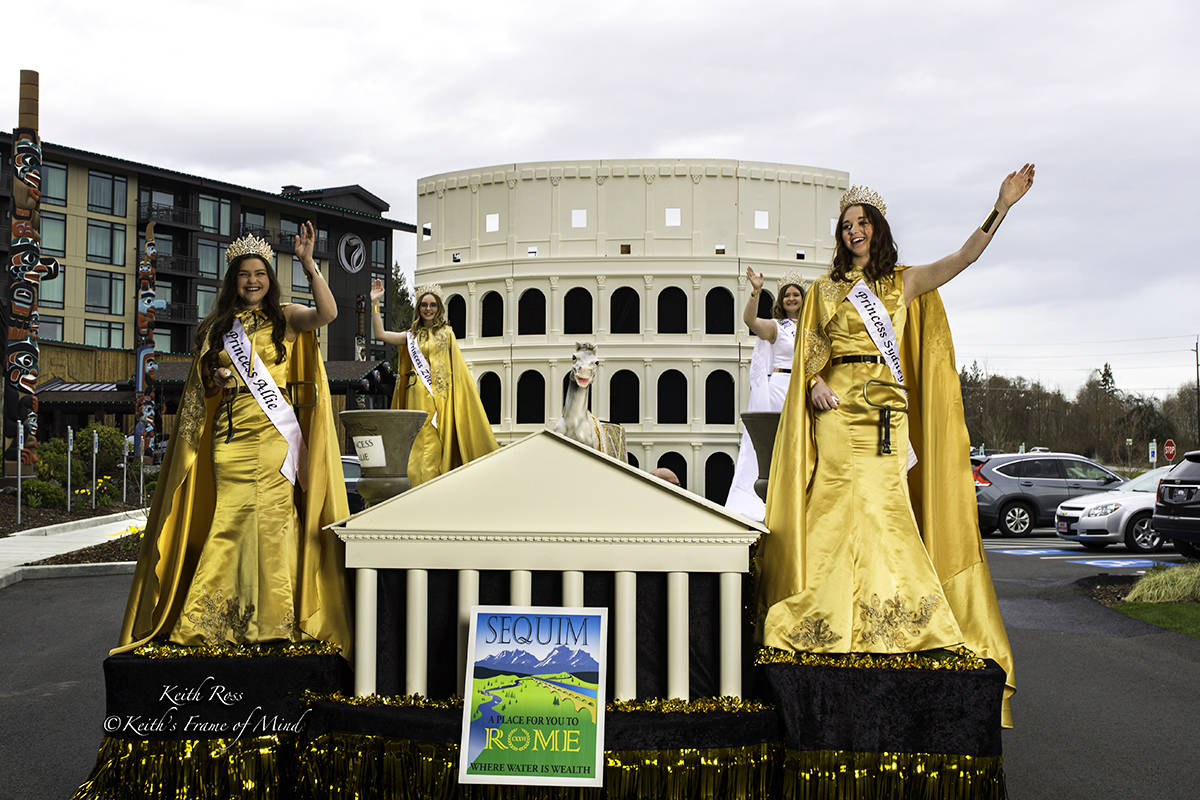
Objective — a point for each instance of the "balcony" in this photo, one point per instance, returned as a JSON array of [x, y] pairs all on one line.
[[169, 214], [178, 265], [178, 312]]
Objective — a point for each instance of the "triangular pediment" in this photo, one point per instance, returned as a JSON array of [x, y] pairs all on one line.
[[548, 483]]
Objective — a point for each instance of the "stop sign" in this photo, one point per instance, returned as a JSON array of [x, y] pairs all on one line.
[[1169, 449]]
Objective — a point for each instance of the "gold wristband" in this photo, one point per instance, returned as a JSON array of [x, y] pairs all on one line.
[[813, 381], [991, 224], [755, 292], [374, 308]]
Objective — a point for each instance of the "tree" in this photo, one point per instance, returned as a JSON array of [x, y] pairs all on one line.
[[402, 301]]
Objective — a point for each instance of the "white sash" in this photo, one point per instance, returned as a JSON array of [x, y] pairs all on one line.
[[423, 371], [270, 400], [879, 328]]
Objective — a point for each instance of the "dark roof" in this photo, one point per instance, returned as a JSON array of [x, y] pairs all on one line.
[[49, 148], [333, 192], [172, 372], [60, 392]]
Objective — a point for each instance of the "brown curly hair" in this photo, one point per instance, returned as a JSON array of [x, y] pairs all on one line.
[[884, 254]]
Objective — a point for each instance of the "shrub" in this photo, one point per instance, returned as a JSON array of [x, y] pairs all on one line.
[[52, 463], [1167, 585], [38, 493]]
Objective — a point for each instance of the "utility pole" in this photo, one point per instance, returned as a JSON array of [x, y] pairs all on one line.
[[1196, 351]]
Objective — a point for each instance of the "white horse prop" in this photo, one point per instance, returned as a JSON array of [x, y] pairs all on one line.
[[576, 421]]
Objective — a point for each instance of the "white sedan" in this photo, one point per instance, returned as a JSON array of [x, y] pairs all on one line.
[[1118, 515]]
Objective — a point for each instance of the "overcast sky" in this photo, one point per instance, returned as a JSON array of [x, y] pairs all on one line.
[[929, 103]]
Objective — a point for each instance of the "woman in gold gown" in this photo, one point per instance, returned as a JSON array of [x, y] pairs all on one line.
[[457, 428], [868, 551], [234, 552]]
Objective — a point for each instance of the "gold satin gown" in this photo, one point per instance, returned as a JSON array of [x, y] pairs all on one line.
[[243, 590], [871, 586], [463, 432]]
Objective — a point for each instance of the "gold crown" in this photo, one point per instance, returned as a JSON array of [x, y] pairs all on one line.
[[793, 277], [857, 195], [250, 245], [434, 289]]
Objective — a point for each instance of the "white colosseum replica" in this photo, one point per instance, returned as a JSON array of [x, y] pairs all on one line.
[[644, 257]]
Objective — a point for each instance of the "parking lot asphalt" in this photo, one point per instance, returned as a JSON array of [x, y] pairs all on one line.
[[1106, 705]]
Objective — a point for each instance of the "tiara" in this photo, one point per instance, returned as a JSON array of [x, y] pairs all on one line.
[[249, 245], [793, 277], [434, 289], [858, 195]]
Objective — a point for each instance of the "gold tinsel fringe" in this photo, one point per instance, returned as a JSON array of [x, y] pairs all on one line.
[[262, 768], [845, 775], [388, 701], [959, 659], [164, 650]]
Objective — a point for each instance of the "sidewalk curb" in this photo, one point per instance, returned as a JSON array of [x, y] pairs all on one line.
[[14, 575], [86, 522]]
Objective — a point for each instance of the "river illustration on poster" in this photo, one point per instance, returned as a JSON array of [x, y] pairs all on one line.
[[535, 683]]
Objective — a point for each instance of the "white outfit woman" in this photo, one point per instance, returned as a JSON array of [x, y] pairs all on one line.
[[768, 389]]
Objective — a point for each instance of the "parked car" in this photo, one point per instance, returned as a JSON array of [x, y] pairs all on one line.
[[351, 470], [1177, 509], [1117, 515], [1017, 491]]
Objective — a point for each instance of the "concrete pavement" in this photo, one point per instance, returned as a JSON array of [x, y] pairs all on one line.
[[38, 543]]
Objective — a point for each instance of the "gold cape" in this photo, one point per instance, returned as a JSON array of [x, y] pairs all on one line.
[[181, 513], [463, 432], [940, 485]]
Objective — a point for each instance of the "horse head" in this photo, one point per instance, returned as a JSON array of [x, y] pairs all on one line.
[[584, 362]]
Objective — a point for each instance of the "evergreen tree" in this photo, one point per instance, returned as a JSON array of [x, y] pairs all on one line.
[[402, 301]]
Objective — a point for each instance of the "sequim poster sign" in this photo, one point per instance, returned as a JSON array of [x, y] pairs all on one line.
[[534, 709]]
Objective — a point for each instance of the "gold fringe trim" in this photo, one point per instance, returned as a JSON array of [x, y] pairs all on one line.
[[959, 659], [165, 650], [263, 768], [660, 705], [842, 774]]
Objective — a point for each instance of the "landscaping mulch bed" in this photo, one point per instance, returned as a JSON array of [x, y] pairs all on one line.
[[37, 517], [124, 548], [1108, 590]]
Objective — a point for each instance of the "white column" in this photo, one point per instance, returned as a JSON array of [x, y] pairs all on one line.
[[649, 396], [474, 313], [730, 647], [625, 622], [366, 605], [697, 309], [508, 411], [649, 309], [520, 587], [677, 635], [554, 321], [572, 589], [601, 307], [416, 636], [697, 396], [468, 595], [553, 409]]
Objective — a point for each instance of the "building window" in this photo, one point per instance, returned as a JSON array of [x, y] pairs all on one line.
[[322, 244], [762, 220], [492, 317], [379, 252], [624, 397], [672, 310], [54, 234], [206, 298], [531, 397], [164, 244], [578, 217], [718, 398], [673, 218], [672, 397], [164, 290], [624, 309], [154, 199], [162, 342], [54, 183], [211, 256], [106, 193], [718, 477], [50, 328], [299, 278], [531, 312], [718, 311], [106, 242], [214, 215], [489, 395], [105, 292], [456, 315], [426, 231], [577, 311], [103, 334], [491, 223], [50, 292], [253, 221]]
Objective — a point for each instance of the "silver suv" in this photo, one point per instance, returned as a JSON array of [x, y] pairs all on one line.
[[1017, 491]]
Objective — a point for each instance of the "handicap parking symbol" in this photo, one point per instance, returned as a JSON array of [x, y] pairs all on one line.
[[1039, 551], [1121, 563]]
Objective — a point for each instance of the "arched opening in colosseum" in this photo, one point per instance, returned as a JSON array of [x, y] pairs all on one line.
[[491, 319], [531, 312], [718, 398], [672, 310], [531, 397], [625, 311], [577, 311], [672, 397]]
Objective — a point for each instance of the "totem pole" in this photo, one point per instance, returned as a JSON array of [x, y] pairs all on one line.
[[27, 268], [144, 365]]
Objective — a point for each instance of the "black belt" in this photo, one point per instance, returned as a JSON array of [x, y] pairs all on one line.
[[781, 369], [857, 359]]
